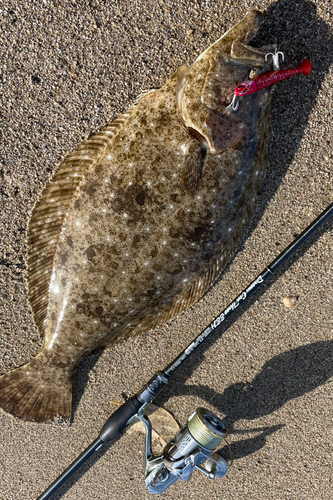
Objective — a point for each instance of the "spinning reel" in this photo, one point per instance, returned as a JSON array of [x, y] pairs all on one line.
[[193, 446]]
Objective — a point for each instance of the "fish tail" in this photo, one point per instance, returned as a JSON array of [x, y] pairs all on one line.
[[37, 391]]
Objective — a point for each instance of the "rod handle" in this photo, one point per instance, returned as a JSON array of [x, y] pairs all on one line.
[[115, 425]]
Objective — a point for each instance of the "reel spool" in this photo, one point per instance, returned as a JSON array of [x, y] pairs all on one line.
[[192, 448], [206, 428]]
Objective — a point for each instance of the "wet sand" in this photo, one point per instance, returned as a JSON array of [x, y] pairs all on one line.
[[65, 71]]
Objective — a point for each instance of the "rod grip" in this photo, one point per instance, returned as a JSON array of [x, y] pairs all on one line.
[[115, 425]]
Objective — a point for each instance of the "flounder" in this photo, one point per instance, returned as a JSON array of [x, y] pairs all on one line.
[[140, 220]]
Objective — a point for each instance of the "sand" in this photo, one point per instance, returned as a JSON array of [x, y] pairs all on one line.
[[66, 69]]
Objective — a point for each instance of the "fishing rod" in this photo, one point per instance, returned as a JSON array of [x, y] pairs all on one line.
[[196, 442]]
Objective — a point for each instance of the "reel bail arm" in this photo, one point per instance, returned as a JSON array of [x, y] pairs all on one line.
[[191, 447]]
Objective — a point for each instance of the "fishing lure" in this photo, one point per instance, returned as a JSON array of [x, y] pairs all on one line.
[[267, 80]]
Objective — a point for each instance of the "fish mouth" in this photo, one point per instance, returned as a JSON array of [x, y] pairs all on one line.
[[227, 97]]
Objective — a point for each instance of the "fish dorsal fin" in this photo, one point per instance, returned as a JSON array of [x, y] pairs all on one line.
[[48, 216]]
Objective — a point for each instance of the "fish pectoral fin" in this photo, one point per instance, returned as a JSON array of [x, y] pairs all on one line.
[[220, 131], [193, 170], [37, 391]]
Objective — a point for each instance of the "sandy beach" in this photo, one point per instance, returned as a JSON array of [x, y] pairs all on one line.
[[68, 68]]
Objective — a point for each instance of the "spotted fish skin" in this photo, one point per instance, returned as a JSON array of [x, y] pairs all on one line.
[[142, 218]]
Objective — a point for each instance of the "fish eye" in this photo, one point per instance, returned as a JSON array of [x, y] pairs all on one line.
[[254, 72]]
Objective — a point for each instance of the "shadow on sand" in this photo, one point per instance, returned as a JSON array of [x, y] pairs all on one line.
[[283, 378]]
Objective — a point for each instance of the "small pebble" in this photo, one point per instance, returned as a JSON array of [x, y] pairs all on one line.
[[289, 301]]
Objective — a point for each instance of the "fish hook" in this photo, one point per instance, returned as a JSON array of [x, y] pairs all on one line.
[[275, 58], [233, 106]]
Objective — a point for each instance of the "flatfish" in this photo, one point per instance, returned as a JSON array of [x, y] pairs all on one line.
[[140, 220]]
